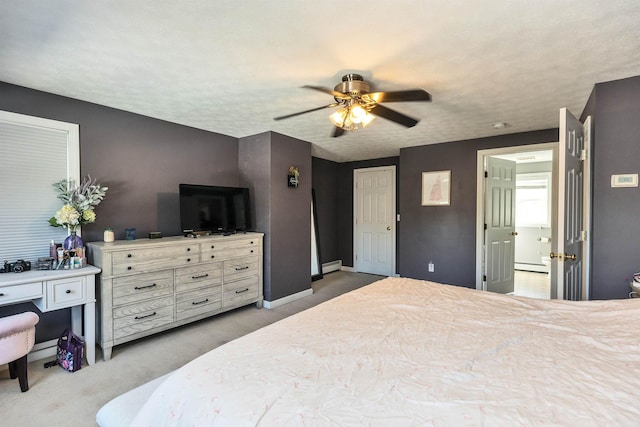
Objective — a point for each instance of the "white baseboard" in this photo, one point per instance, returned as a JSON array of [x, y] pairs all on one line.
[[330, 267], [287, 299], [349, 269], [43, 350]]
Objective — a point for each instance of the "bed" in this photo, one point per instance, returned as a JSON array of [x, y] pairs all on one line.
[[404, 352]]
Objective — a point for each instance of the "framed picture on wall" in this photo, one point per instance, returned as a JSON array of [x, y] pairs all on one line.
[[436, 188]]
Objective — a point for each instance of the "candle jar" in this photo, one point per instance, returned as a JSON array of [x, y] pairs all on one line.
[[109, 236]]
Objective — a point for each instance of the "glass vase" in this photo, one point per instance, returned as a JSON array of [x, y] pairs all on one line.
[[73, 241]]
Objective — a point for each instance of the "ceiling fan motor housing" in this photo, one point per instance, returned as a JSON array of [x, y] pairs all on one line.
[[352, 84]]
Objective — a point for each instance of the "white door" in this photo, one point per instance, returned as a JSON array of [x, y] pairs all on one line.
[[375, 220], [500, 215], [567, 265]]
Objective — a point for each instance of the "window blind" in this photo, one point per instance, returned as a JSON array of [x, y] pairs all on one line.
[[35, 154]]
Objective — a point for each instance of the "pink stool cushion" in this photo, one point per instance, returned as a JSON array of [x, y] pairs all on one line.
[[17, 335]]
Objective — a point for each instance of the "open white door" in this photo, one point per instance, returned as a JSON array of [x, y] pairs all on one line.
[[568, 258], [375, 220], [500, 215]]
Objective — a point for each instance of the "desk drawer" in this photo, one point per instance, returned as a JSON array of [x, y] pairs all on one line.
[[66, 292], [25, 292]]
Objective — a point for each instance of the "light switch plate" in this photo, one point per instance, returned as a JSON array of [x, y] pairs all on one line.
[[625, 180]]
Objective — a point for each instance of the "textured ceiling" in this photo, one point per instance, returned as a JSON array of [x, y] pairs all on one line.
[[231, 66]]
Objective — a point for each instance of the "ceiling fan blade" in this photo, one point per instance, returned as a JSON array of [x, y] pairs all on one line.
[[400, 96], [337, 132], [306, 111], [393, 115], [331, 92]]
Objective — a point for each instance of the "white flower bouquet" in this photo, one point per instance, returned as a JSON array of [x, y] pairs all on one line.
[[79, 202]]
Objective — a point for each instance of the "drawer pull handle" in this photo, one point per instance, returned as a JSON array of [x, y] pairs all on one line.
[[137, 288], [200, 302], [239, 291], [246, 267], [129, 255], [144, 317], [202, 276], [68, 291]]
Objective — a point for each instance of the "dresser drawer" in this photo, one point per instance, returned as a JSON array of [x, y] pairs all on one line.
[[198, 276], [239, 268], [141, 260], [66, 292], [130, 289], [218, 251], [22, 292], [200, 301], [135, 318], [242, 290]]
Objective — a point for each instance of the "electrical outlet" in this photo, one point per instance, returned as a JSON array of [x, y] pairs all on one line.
[[432, 267]]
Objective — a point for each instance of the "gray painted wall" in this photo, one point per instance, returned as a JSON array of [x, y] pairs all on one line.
[[284, 212], [446, 235], [615, 108]]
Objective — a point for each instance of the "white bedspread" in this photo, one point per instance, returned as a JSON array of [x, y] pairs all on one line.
[[403, 352]]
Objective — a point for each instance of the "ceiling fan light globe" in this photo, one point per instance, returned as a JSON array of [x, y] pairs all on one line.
[[338, 117]]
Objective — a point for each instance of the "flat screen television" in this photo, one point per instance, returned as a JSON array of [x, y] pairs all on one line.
[[213, 209]]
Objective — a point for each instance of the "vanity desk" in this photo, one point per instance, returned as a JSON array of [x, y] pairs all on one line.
[[54, 290]]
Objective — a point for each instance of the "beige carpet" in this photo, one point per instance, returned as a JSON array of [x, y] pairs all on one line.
[[60, 398]]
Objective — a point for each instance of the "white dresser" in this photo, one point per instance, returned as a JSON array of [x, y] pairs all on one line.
[[54, 290], [151, 285]]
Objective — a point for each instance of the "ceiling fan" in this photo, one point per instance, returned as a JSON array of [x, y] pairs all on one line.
[[358, 107]]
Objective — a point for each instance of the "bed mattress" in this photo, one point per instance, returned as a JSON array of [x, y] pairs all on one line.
[[403, 352]]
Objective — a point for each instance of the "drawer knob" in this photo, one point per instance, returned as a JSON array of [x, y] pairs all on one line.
[[200, 302], [144, 317], [188, 249], [129, 268], [251, 250], [188, 259], [137, 288], [1, 294], [213, 246], [68, 291], [129, 255], [213, 256], [252, 242]]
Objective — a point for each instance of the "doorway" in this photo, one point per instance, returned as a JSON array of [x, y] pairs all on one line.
[[525, 206], [374, 220]]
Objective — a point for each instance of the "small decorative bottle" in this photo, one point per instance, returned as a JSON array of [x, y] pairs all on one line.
[[109, 236]]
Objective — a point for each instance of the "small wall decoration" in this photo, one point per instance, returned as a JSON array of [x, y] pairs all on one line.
[[294, 177], [436, 188]]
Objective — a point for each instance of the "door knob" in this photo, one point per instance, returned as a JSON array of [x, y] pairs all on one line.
[[388, 228], [553, 255], [571, 257]]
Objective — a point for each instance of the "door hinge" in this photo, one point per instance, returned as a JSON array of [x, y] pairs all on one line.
[[583, 235], [486, 174], [484, 278], [583, 155], [485, 226]]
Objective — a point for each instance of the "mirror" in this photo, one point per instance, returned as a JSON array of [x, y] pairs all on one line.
[[316, 260]]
